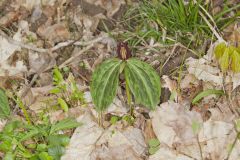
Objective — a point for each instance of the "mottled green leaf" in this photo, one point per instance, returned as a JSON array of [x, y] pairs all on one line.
[[4, 106], [144, 82], [56, 151], [235, 65], [219, 50], [104, 83]]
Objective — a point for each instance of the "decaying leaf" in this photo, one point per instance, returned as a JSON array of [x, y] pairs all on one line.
[[54, 33], [168, 154], [91, 142], [172, 123], [29, 4], [173, 126], [7, 50], [111, 6], [204, 69], [84, 139]]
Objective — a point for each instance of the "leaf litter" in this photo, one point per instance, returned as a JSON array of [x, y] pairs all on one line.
[[182, 129]]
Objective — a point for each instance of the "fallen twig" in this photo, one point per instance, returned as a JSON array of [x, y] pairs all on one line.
[[69, 60], [49, 50]]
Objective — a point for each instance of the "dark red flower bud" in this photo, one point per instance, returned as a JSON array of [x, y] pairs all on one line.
[[123, 51]]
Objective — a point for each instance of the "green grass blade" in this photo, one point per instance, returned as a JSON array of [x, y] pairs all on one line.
[[4, 106], [205, 94]]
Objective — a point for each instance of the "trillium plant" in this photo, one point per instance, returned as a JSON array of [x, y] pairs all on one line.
[[141, 80]]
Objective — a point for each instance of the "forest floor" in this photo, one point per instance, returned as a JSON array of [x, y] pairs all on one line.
[[49, 50]]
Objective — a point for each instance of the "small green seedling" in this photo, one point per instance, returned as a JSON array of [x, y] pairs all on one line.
[[141, 80], [154, 146], [66, 90], [114, 119], [228, 57], [20, 140]]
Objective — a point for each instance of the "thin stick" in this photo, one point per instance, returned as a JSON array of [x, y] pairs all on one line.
[[75, 56], [200, 148], [171, 54], [233, 145], [208, 23], [17, 43], [211, 27], [58, 46]]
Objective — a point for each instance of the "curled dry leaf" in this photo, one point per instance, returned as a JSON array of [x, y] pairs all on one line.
[[83, 139], [9, 18], [111, 6], [172, 86], [40, 62], [7, 49], [120, 145], [37, 99], [168, 154], [54, 33], [29, 4], [173, 126], [91, 142], [204, 69], [88, 22], [188, 81], [116, 108], [172, 123], [219, 136]]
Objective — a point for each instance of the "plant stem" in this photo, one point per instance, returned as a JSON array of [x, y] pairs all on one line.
[[24, 110], [200, 148], [233, 145], [100, 123], [129, 97]]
